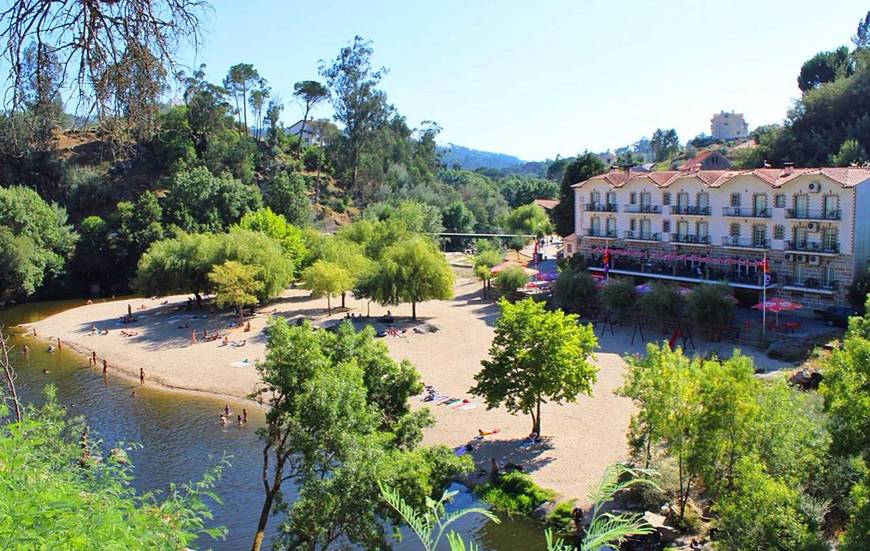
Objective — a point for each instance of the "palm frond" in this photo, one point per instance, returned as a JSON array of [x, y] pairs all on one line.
[[609, 529]]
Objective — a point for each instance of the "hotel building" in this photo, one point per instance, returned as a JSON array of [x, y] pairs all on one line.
[[717, 225]]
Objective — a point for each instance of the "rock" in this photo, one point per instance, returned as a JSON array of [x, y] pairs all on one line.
[[806, 379], [788, 350], [427, 328], [543, 510], [657, 521]]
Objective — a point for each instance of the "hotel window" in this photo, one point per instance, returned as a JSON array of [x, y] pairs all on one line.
[[666, 226], [802, 205], [595, 225], [800, 236], [632, 224], [759, 204], [830, 205], [829, 238], [645, 228], [702, 229], [759, 235], [632, 198], [779, 231], [611, 197], [797, 273], [735, 200], [703, 200], [666, 198], [570, 248], [645, 199], [611, 226], [779, 200], [682, 200], [827, 275], [594, 198], [734, 230], [682, 228]]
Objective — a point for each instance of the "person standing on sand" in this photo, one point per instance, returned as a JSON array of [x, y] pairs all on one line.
[[141, 376], [105, 367], [93, 358], [129, 311], [193, 337], [58, 343]]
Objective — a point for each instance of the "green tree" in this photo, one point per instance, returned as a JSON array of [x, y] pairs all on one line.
[[357, 102], [850, 153], [662, 301], [582, 168], [235, 284], [310, 93], [338, 421], [618, 295], [861, 40], [574, 288], [57, 494], [529, 219], [345, 254], [95, 258], [413, 270], [664, 144], [41, 235], [178, 265], [710, 305], [288, 236], [536, 356], [825, 67], [240, 80], [198, 201], [327, 279], [510, 279], [287, 194], [484, 262]]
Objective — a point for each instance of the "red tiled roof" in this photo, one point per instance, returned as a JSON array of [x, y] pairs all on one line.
[[546, 204], [698, 159], [775, 177]]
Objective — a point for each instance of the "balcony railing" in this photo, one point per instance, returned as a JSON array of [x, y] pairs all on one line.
[[746, 212], [690, 238], [811, 283], [601, 207], [642, 236], [746, 242], [642, 209], [690, 210], [610, 234], [810, 214], [812, 247]]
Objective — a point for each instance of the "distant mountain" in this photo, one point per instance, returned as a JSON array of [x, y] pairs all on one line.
[[472, 159], [490, 163]]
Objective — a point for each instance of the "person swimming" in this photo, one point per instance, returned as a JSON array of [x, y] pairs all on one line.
[[223, 419], [50, 348], [244, 415], [239, 420], [226, 409]]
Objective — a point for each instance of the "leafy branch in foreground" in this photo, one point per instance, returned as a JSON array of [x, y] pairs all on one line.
[[429, 527]]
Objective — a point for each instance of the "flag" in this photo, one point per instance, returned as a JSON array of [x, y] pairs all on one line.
[[606, 261]]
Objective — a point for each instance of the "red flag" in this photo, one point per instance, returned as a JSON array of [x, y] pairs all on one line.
[[606, 260]]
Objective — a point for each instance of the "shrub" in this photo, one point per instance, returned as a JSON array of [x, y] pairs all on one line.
[[510, 279], [560, 518], [663, 301], [574, 288], [858, 291], [514, 493], [711, 305], [618, 295]]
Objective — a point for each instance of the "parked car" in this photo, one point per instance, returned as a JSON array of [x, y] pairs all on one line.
[[837, 315]]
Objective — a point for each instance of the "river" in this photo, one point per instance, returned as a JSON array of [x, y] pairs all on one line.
[[180, 437]]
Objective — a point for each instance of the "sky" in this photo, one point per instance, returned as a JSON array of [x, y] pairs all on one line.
[[537, 79]]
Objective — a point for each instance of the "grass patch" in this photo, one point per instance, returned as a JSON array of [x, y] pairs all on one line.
[[514, 493], [560, 519]]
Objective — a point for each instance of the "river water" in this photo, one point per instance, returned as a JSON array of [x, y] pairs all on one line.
[[180, 437]]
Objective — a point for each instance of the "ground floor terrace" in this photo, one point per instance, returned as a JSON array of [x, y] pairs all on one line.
[[816, 281]]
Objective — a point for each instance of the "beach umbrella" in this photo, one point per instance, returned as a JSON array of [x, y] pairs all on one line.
[[777, 305]]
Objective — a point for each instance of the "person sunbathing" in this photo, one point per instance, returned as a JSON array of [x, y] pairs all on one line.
[[226, 341], [482, 432]]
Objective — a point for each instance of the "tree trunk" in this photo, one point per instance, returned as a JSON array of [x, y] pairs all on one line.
[[198, 300], [329, 302], [302, 131], [413, 310], [245, 106], [682, 497], [342, 299], [648, 448], [241, 314], [264, 518], [538, 417]]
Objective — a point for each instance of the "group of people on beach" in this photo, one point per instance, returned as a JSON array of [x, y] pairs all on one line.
[[225, 416]]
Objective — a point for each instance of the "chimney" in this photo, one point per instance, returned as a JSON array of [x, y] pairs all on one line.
[[787, 168]]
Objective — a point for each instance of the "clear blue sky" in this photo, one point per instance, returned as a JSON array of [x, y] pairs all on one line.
[[534, 79]]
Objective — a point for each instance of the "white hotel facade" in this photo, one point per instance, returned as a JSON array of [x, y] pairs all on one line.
[[693, 226]]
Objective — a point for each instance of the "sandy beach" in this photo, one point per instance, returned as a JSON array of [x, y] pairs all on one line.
[[580, 439]]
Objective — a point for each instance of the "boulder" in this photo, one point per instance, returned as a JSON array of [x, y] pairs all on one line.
[[543, 510], [657, 521]]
